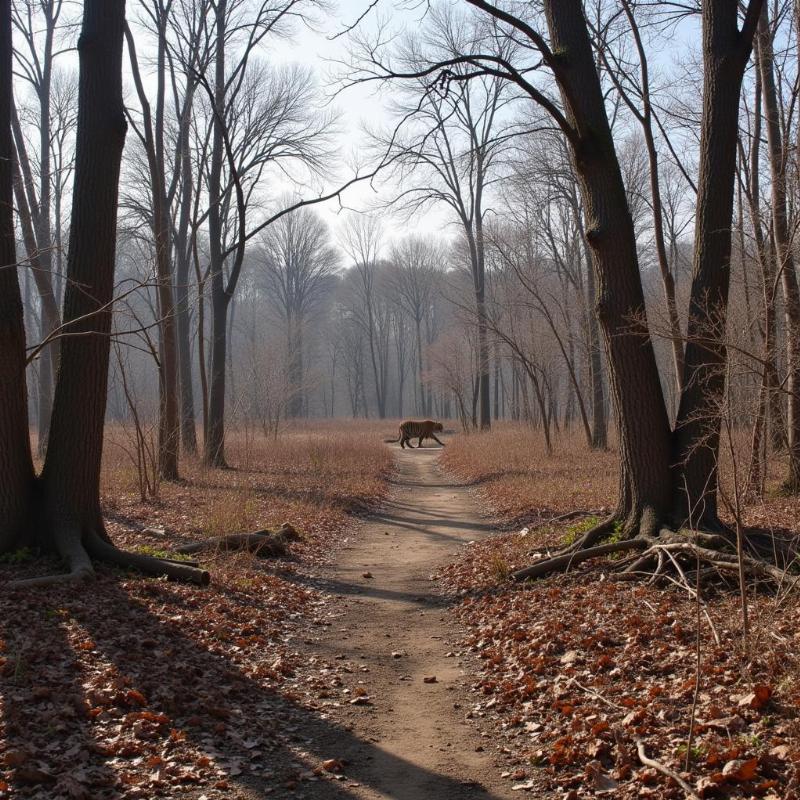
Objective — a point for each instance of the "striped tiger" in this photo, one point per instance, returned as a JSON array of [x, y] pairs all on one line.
[[417, 429]]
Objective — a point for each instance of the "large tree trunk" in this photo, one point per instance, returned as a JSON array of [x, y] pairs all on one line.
[[697, 429], [16, 463], [71, 474], [644, 433]]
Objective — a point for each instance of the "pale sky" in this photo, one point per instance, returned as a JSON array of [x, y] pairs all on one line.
[[356, 105]]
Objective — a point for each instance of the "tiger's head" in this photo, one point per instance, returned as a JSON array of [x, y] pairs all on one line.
[[437, 426]]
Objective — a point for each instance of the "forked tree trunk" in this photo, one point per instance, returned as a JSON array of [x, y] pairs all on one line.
[[644, 433]]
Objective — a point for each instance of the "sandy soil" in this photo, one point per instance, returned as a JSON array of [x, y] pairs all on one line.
[[412, 740]]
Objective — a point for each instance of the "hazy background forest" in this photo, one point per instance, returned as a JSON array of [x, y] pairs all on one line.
[[368, 305]]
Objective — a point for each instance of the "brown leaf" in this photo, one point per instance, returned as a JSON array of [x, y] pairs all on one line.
[[30, 773], [740, 770], [13, 758]]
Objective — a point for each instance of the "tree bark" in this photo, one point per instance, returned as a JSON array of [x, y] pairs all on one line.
[[72, 504], [696, 441], [61, 510], [782, 237], [16, 462], [644, 433]]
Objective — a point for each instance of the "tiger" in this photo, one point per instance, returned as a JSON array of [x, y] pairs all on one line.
[[416, 429]]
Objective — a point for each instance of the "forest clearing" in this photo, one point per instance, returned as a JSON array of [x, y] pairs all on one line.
[[399, 399], [305, 675]]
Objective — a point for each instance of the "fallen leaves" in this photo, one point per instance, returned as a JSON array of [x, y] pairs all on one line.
[[572, 671], [140, 688]]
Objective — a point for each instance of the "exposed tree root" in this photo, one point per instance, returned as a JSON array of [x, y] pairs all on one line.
[[264, 543], [148, 565], [595, 534], [78, 552], [70, 548], [672, 555], [563, 563]]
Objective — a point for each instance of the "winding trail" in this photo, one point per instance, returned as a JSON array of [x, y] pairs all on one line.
[[413, 741]]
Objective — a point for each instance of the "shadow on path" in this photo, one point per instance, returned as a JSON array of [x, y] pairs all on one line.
[[235, 718]]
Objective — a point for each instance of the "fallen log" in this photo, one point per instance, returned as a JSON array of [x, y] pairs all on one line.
[[264, 543]]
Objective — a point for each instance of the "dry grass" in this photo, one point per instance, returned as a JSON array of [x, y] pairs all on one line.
[[514, 475], [313, 475], [522, 483]]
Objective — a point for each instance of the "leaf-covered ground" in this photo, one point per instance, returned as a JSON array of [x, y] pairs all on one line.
[[574, 672], [139, 688]]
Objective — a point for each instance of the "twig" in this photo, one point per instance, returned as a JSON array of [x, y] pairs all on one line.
[[596, 695], [659, 767]]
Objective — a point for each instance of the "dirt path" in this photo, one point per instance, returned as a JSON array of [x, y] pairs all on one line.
[[412, 742]]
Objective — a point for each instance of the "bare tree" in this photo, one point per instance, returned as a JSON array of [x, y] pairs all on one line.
[[258, 118], [362, 241], [298, 261], [448, 142], [37, 23], [664, 475], [782, 238], [152, 139], [417, 264]]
